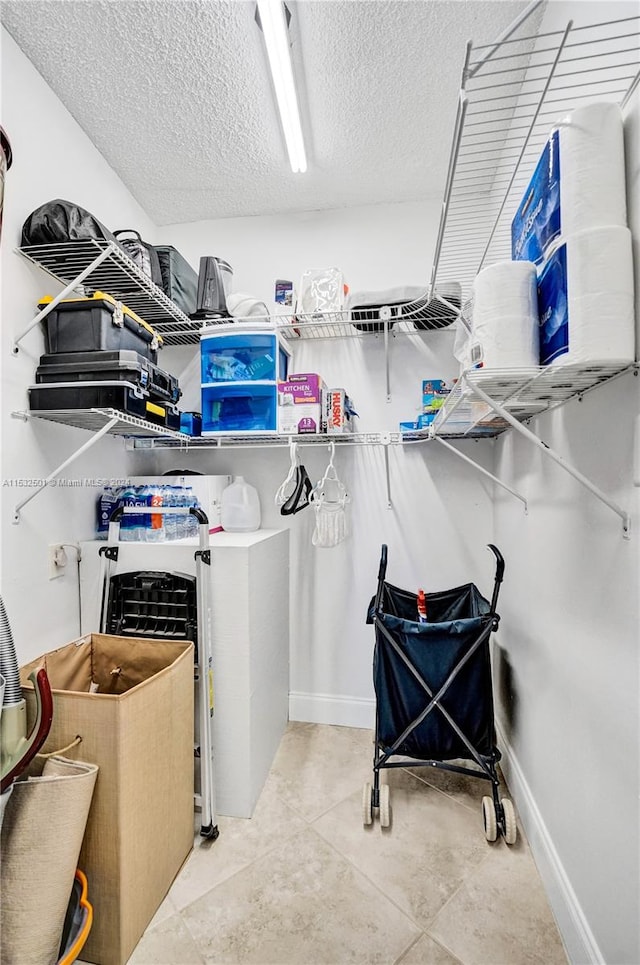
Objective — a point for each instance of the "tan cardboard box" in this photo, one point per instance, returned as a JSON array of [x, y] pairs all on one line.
[[138, 728]]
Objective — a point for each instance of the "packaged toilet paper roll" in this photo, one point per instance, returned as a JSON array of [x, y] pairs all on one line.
[[578, 184], [505, 316], [585, 300]]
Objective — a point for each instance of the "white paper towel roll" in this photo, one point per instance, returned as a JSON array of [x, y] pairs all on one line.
[[505, 314], [578, 184], [585, 300]]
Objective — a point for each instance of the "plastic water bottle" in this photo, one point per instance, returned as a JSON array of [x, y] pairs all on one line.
[[170, 521], [155, 521], [192, 522], [240, 510]]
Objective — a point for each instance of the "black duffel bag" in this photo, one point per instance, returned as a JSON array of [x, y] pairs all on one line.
[[179, 280], [144, 254], [60, 221]]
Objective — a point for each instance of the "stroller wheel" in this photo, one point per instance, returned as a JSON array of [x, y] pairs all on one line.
[[510, 828], [367, 810], [489, 818], [385, 810]]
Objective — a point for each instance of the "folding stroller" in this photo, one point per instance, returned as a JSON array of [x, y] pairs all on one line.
[[434, 699]]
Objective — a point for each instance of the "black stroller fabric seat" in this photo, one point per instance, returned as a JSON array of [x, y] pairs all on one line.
[[435, 650]]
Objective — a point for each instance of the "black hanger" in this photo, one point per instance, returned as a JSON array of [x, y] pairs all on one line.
[[299, 498]]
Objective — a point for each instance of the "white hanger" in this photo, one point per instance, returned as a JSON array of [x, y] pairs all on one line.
[[282, 495]]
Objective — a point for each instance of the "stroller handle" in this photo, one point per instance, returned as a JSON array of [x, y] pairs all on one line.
[[382, 572], [498, 577]]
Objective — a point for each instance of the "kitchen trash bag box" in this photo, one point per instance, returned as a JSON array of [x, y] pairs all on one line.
[[138, 728]]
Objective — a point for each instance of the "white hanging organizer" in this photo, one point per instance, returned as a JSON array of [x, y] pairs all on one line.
[[329, 499]]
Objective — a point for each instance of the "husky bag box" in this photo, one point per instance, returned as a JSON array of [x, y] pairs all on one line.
[[97, 324], [60, 221], [179, 280], [138, 729]]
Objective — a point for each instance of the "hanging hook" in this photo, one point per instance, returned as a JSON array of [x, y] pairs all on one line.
[[332, 452]]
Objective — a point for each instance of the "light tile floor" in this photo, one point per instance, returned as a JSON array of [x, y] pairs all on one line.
[[303, 883]]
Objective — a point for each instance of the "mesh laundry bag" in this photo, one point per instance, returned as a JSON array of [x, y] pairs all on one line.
[[42, 834]]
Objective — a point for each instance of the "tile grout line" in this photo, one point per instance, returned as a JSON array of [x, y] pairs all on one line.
[[364, 875]]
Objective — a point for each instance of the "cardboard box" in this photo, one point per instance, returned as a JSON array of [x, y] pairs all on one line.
[[138, 729], [294, 420], [301, 404], [434, 393], [337, 412]]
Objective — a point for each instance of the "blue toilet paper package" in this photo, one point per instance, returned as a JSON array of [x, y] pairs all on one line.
[[553, 307], [537, 221]]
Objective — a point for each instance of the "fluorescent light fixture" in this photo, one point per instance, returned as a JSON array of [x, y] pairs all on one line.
[[276, 38]]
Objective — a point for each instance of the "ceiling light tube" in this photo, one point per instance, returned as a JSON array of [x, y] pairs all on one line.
[[276, 38]]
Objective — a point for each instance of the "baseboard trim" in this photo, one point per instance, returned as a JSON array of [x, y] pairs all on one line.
[[332, 709], [580, 943]]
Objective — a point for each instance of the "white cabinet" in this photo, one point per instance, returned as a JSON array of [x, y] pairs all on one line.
[[249, 596]]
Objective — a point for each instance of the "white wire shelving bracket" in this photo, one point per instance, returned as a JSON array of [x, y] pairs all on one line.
[[511, 93], [100, 422], [486, 402]]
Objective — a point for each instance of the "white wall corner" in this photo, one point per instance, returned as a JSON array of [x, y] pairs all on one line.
[[332, 709], [580, 943]]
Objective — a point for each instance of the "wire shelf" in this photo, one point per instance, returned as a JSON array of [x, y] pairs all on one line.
[[96, 419], [523, 392], [357, 439], [120, 277], [512, 94]]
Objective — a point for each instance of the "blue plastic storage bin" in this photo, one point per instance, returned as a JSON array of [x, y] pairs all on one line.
[[242, 407], [243, 356]]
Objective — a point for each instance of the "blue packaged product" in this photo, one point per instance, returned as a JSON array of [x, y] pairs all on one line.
[[537, 221], [553, 307]]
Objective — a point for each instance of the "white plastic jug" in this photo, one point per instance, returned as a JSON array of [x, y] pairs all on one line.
[[240, 510]]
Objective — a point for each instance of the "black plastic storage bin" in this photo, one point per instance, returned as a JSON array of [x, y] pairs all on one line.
[[123, 366], [153, 604], [97, 324], [179, 280], [109, 396]]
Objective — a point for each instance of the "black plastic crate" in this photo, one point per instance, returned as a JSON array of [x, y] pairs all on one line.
[[123, 397], [153, 604]]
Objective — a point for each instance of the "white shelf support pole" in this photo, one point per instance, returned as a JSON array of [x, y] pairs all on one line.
[[63, 294], [386, 442], [386, 315], [56, 472], [485, 472], [552, 454]]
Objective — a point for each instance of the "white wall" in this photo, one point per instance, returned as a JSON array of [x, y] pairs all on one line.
[[441, 517], [567, 662], [52, 158]]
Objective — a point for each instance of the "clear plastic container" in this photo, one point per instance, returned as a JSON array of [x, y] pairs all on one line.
[[240, 507]]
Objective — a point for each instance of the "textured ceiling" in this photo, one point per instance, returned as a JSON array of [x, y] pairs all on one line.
[[175, 94]]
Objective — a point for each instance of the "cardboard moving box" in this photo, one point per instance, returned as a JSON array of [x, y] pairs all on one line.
[[138, 728]]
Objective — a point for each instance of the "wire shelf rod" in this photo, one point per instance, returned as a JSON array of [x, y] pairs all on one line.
[[629, 93], [526, 141], [533, 104], [572, 45], [558, 33], [558, 77], [526, 67], [504, 37]]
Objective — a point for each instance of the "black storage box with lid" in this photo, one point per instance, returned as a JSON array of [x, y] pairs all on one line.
[[123, 366], [97, 324], [123, 396]]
